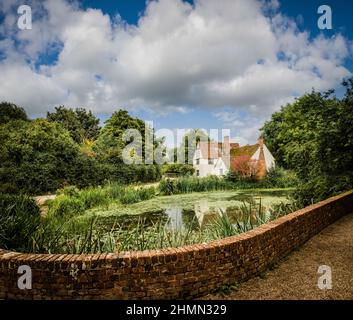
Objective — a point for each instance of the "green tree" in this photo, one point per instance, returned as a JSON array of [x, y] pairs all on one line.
[[110, 145], [9, 112], [314, 137], [36, 157], [89, 123], [81, 124]]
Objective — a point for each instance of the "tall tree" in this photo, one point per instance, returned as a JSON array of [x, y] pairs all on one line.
[[81, 124], [10, 111], [111, 142], [36, 156], [314, 137]]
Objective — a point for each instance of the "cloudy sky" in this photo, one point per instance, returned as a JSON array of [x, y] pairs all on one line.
[[182, 64]]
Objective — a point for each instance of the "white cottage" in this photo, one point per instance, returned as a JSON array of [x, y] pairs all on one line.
[[216, 158]]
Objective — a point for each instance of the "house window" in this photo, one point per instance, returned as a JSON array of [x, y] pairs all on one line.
[[197, 173], [210, 161], [221, 172], [197, 161]]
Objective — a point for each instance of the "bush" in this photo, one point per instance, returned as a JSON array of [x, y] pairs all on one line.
[[133, 195], [178, 169], [94, 197], [114, 190], [322, 187], [64, 205], [193, 184], [19, 218], [71, 191], [278, 177], [129, 196]]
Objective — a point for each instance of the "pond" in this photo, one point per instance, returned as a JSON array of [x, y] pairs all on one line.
[[195, 212]]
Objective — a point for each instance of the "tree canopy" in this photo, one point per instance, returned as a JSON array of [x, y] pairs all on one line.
[[314, 137], [81, 124], [9, 112], [35, 156]]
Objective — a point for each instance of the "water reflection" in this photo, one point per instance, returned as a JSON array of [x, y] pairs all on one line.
[[203, 213]]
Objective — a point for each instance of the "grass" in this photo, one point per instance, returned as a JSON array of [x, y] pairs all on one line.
[[60, 235], [19, 219], [71, 201], [193, 184]]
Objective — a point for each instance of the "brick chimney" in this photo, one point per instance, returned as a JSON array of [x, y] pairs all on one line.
[[260, 141]]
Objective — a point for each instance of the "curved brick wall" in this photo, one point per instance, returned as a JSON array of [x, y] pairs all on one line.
[[185, 272]]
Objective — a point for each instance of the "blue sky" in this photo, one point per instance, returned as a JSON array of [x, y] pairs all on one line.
[[212, 64]]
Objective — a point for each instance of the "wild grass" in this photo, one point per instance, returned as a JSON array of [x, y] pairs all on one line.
[[211, 183], [72, 201], [88, 236], [19, 219], [194, 184]]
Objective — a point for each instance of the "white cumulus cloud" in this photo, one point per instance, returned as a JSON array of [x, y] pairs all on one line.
[[211, 55]]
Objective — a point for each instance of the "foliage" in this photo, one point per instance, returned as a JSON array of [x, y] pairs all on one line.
[[35, 157], [72, 201], [111, 143], [193, 184], [87, 236], [314, 137], [64, 205], [278, 177], [81, 124], [133, 195], [244, 167], [42, 156], [178, 169], [10, 112], [19, 219]]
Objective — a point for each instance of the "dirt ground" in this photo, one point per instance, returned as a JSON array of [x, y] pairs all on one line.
[[296, 276]]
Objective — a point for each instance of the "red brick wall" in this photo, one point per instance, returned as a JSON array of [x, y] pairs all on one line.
[[185, 272]]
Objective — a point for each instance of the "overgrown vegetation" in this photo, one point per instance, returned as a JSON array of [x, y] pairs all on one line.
[[178, 170], [314, 137], [277, 178], [72, 201], [58, 235], [19, 220], [193, 184], [67, 148]]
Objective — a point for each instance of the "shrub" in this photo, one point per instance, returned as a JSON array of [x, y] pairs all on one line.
[[278, 177], [133, 195], [94, 197], [64, 205], [114, 190], [193, 184], [178, 169], [71, 191], [166, 186], [19, 218], [146, 193], [130, 195]]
